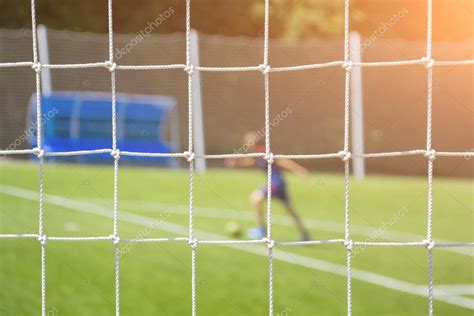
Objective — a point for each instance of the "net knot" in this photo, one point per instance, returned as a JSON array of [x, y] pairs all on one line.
[[265, 69], [110, 65], [42, 239], [347, 65], [430, 154], [193, 243], [349, 244], [189, 69], [269, 242], [269, 158], [115, 239], [345, 156], [428, 62], [115, 153], [38, 152], [36, 67], [189, 156], [429, 244]]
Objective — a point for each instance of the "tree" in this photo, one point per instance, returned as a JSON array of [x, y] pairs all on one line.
[[290, 19], [293, 19]]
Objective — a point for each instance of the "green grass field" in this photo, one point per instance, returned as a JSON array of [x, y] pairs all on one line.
[[155, 278]]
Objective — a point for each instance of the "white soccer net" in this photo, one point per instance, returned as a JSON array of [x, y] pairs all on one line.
[[265, 69]]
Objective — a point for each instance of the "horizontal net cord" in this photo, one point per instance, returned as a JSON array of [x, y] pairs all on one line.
[[144, 154], [94, 238], [17, 152], [117, 239], [125, 153], [18, 236], [392, 244], [307, 66], [187, 155], [77, 153], [469, 153], [228, 69], [428, 153], [310, 242], [17, 64], [152, 240], [106, 64], [393, 154], [423, 243], [151, 67], [75, 66], [454, 62], [308, 156], [231, 241], [454, 244], [113, 152], [224, 156]]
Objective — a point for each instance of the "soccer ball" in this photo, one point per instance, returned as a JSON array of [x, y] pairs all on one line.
[[233, 229]]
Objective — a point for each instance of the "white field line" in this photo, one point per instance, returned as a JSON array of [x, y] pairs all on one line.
[[456, 289], [327, 226], [311, 263]]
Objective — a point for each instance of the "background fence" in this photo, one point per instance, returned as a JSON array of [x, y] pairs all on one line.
[[307, 106]]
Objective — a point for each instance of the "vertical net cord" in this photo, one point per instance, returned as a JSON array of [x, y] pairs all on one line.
[[40, 154], [430, 152], [190, 156], [116, 155], [346, 157], [268, 154]]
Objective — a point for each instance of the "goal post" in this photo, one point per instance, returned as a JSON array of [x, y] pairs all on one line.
[[43, 50], [198, 124], [357, 114]]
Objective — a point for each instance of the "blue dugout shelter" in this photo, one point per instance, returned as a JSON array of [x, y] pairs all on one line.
[[75, 121]]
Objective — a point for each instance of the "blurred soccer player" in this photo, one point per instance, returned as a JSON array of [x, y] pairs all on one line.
[[254, 143]]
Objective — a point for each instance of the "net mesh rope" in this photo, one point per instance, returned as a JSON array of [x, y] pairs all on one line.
[[265, 69]]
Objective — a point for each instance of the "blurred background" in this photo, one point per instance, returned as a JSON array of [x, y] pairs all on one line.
[[302, 32]]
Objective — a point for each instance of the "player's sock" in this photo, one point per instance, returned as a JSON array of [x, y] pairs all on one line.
[[305, 237], [257, 233]]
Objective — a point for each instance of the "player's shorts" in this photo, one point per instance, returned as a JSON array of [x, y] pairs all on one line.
[[278, 191]]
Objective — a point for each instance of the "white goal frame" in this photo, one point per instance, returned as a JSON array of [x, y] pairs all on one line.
[[190, 155]]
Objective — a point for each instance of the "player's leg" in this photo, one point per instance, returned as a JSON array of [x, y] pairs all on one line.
[[282, 195], [299, 223], [257, 198]]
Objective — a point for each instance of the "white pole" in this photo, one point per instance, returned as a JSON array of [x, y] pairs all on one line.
[[198, 125], [357, 114], [46, 86], [175, 135]]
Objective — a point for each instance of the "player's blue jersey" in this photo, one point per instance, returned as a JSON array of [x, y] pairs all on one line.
[[277, 176]]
